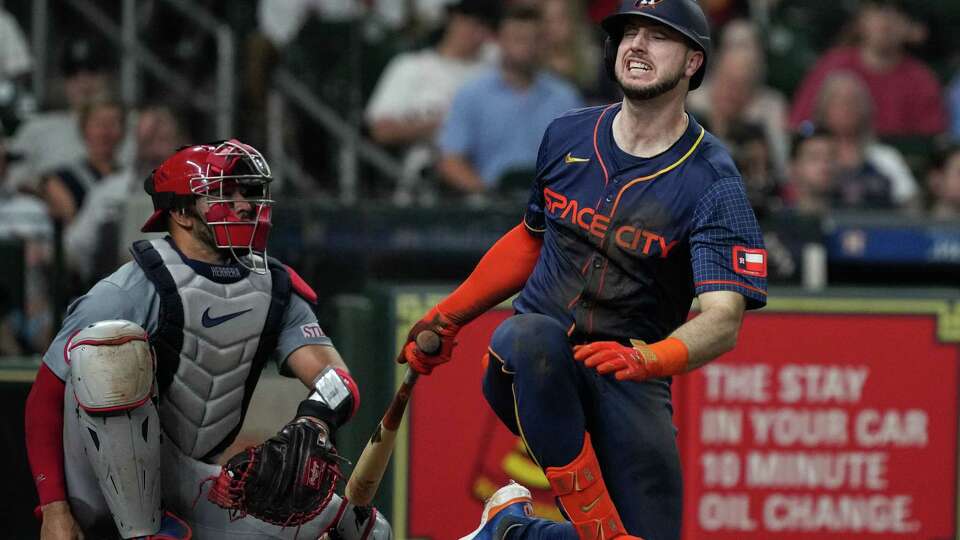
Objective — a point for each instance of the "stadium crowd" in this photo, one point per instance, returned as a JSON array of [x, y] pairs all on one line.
[[855, 107]]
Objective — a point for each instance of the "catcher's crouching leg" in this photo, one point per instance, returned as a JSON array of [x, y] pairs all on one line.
[[361, 523], [112, 370]]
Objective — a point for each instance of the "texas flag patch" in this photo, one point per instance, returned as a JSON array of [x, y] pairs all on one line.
[[749, 261]]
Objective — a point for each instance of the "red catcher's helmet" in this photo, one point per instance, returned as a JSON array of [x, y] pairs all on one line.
[[224, 174]]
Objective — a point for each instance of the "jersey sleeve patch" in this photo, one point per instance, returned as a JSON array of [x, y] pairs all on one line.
[[311, 331], [750, 261]]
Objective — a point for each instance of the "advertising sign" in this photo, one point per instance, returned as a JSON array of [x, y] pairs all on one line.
[[831, 419], [822, 426]]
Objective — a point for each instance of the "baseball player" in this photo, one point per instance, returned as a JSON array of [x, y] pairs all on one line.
[[635, 211], [150, 377]]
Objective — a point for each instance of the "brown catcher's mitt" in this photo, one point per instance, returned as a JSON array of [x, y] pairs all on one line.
[[288, 480]]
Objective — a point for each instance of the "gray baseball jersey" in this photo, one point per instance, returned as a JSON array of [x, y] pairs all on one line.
[[128, 294], [218, 316], [222, 320]]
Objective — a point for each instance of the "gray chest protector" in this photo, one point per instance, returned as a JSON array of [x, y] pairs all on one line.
[[217, 327]]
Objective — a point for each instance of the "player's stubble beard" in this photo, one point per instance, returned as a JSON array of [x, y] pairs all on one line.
[[203, 234], [652, 90]]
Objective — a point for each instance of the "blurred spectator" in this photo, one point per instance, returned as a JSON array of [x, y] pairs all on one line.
[[281, 20], [750, 148], [944, 183], [15, 66], [953, 103], [51, 139], [416, 89], [734, 93], [873, 174], [101, 126], [572, 48], [497, 120], [813, 166], [24, 328], [907, 96], [94, 235]]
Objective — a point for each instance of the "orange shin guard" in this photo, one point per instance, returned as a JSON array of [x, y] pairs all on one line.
[[583, 495]]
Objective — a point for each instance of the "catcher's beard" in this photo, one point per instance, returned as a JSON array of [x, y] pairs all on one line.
[[203, 233], [651, 91]]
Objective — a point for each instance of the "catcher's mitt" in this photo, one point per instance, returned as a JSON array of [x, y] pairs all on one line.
[[287, 480]]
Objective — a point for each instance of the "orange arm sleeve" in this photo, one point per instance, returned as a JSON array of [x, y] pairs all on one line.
[[499, 275]]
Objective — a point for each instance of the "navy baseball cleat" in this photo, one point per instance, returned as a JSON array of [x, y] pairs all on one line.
[[509, 502], [171, 528]]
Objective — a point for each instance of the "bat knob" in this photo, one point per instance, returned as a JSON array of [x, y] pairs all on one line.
[[428, 342]]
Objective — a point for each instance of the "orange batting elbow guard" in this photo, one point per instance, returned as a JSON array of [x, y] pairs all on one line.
[[501, 272], [582, 493], [664, 358]]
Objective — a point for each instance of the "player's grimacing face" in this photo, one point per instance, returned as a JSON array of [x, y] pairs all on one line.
[[652, 59]]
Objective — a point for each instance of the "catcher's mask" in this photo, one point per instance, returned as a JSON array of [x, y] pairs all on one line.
[[233, 180]]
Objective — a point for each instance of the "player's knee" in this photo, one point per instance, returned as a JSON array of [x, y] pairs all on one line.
[[111, 366], [530, 345], [498, 391]]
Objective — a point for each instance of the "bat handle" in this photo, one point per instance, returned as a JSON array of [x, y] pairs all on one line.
[[429, 342]]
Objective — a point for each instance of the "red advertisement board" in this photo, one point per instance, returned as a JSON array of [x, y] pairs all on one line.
[[818, 426], [460, 452], [822, 426]]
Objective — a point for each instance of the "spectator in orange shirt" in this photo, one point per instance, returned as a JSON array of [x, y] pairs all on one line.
[[907, 96]]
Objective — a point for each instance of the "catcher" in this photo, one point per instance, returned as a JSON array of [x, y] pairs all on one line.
[[149, 379]]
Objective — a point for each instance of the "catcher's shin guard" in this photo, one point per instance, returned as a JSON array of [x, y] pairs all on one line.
[[111, 374], [582, 494]]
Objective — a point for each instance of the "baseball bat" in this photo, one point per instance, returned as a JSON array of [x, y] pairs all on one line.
[[367, 474]]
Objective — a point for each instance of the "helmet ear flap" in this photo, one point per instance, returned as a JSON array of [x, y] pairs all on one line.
[[610, 58]]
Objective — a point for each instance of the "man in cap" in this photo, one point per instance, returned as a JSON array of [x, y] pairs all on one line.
[[150, 377], [635, 210]]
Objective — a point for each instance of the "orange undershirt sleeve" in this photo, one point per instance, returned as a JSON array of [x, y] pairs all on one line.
[[500, 274]]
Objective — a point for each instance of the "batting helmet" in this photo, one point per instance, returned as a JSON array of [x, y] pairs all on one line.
[[684, 16]]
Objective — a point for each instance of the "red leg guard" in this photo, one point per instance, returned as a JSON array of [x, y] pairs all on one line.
[[583, 495]]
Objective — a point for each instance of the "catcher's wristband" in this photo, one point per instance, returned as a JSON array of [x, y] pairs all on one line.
[[335, 398]]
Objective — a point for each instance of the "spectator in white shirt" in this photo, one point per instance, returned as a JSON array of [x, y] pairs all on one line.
[[416, 89]]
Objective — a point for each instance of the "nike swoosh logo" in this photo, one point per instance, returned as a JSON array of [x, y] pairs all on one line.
[[588, 507], [568, 159], [209, 322]]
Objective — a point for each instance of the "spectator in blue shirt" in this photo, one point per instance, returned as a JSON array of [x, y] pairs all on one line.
[[496, 121]]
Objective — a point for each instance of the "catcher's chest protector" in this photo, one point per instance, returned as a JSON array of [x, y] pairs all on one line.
[[214, 334]]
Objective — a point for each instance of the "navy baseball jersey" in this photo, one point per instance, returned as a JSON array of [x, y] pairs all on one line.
[[628, 241]]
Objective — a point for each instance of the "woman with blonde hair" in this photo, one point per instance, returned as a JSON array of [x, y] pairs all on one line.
[[873, 173], [573, 50]]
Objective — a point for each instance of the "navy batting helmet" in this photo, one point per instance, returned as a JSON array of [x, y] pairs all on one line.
[[684, 16]]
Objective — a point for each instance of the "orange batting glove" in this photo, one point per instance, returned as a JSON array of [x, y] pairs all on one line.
[[444, 327], [637, 363]]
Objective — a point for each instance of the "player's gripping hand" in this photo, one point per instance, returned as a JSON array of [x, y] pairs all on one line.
[[636, 363], [444, 327]]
